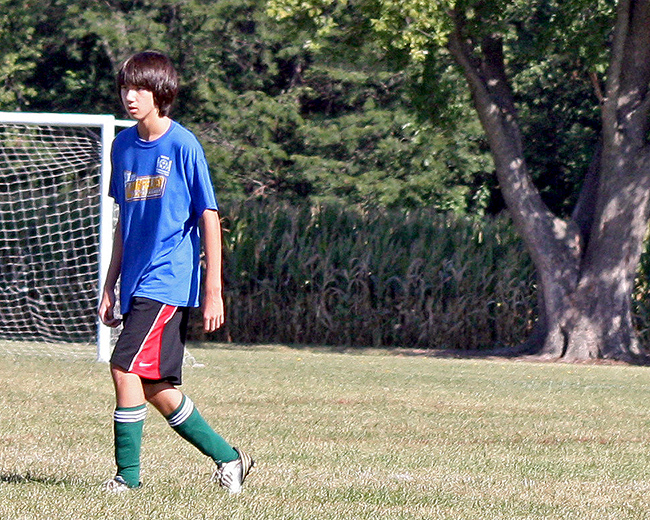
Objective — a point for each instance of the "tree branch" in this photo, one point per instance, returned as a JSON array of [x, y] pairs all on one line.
[[585, 208], [612, 83], [549, 239], [635, 73], [626, 106], [593, 77]]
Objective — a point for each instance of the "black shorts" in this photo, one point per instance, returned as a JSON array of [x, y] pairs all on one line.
[[152, 342]]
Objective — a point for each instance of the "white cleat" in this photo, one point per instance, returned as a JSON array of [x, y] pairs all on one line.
[[231, 475], [116, 485]]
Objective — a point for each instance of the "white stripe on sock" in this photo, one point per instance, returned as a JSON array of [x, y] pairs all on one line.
[[182, 415], [130, 416]]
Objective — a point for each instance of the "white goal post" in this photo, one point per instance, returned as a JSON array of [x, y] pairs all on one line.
[[56, 226]]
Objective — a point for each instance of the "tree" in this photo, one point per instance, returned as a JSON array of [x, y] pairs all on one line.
[[19, 50], [328, 122], [585, 263], [278, 119]]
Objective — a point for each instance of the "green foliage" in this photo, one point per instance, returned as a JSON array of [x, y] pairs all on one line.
[[271, 99], [641, 297], [19, 48], [556, 56], [576, 27], [556, 67], [282, 114], [559, 107]]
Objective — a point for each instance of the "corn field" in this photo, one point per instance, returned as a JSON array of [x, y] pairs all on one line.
[[329, 275]]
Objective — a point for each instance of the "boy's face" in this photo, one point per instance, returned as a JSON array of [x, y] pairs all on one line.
[[138, 102]]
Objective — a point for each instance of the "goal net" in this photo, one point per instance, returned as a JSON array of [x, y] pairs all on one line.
[[55, 231]]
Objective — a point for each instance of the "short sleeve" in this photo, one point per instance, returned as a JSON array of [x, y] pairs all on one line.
[[200, 182]]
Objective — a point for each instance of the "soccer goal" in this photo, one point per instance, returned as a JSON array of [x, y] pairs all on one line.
[[56, 227]]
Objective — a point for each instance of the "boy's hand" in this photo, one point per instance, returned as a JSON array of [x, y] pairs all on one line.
[[107, 308], [213, 313]]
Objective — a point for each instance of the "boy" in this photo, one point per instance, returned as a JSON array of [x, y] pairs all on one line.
[[162, 185]]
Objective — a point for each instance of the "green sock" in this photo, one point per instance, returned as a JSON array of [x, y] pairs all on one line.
[[128, 424], [188, 423]]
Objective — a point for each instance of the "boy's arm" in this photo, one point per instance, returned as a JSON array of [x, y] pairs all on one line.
[[107, 302], [213, 311]]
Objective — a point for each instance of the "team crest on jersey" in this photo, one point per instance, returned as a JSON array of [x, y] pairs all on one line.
[[163, 165]]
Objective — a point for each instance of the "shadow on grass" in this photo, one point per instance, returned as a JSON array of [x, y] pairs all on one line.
[[28, 478], [524, 352]]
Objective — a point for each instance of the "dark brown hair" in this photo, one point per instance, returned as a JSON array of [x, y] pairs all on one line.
[[153, 71]]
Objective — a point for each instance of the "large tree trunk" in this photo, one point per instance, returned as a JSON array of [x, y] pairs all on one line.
[[596, 320], [585, 265]]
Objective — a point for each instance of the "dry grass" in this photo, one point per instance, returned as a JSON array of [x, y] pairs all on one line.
[[391, 278], [363, 435]]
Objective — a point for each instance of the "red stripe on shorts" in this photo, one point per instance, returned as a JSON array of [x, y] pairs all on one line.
[[146, 362]]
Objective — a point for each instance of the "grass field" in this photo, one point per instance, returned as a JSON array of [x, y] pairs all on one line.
[[361, 435]]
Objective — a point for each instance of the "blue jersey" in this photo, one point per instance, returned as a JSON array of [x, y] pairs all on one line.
[[162, 188]]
